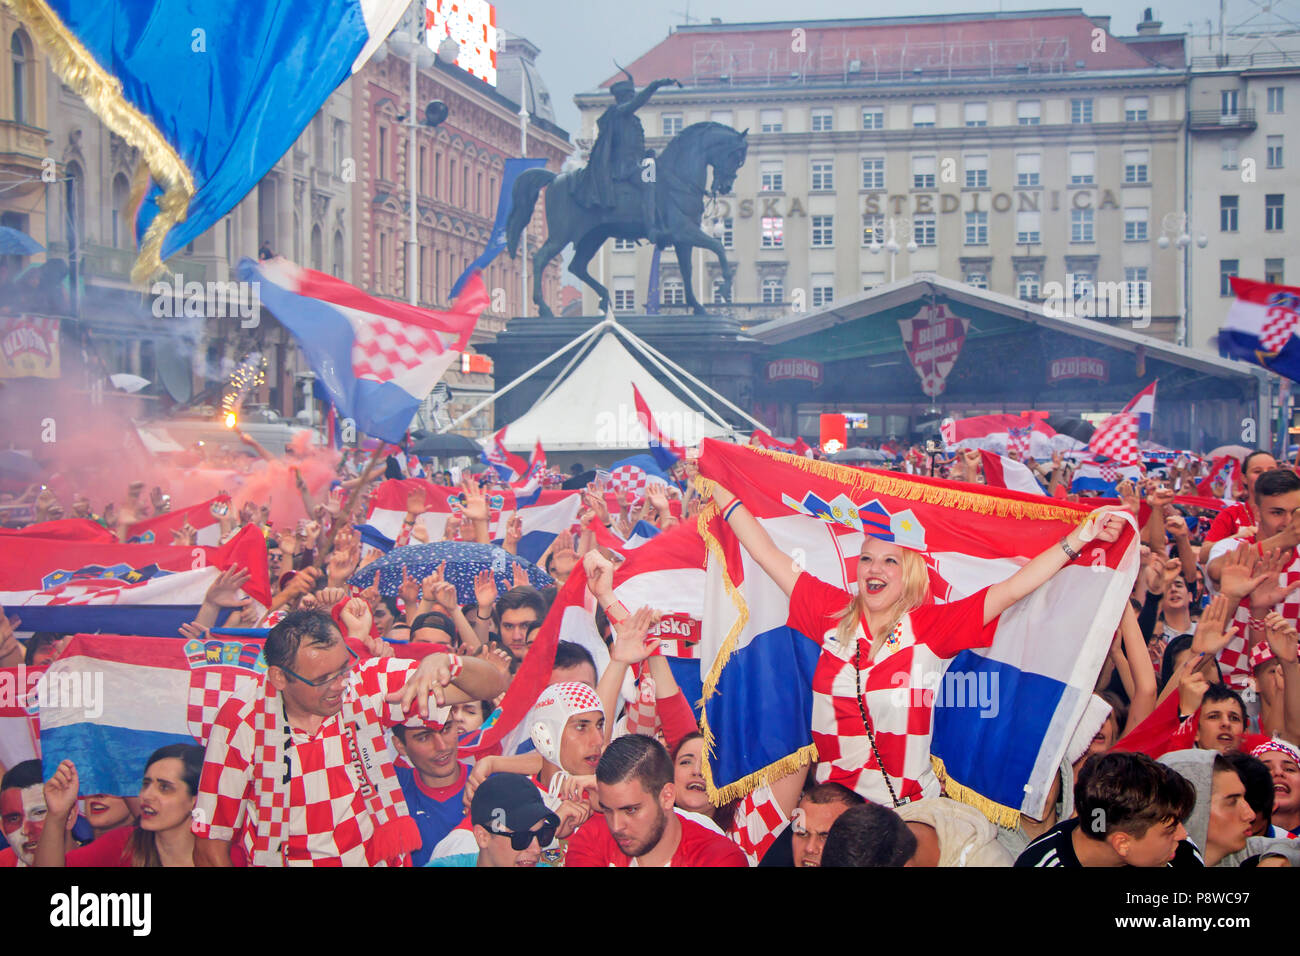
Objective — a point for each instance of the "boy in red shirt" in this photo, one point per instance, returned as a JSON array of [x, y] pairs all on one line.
[[639, 826]]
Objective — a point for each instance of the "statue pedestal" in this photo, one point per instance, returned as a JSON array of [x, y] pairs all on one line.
[[712, 348]]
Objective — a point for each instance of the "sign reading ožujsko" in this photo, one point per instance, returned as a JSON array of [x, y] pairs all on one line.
[[1079, 366], [933, 340], [804, 370], [29, 347]]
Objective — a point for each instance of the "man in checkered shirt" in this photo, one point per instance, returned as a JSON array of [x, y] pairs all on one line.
[[298, 763]]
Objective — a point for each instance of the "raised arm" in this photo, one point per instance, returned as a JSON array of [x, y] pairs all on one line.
[[1104, 524], [755, 539]]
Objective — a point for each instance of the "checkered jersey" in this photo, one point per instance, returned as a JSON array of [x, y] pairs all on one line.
[[898, 688], [329, 821], [1228, 521], [1117, 438], [1234, 659], [759, 820]]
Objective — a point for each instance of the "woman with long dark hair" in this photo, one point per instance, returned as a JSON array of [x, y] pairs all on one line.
[[163, 836]]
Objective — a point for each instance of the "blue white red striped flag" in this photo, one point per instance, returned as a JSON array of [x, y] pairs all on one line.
[[1047, 649], [1143, 405], [507, 465], [1102, 475]]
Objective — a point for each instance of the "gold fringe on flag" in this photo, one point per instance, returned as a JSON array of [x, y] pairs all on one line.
[[1004, 816], [102, 92], [978, 502]]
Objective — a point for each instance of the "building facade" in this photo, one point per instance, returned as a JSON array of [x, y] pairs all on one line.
[[1011, 151], [23, 139], [1240, 89]]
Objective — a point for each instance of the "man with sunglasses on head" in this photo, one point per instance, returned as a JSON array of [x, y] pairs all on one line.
[[511, 822], [298, 762]]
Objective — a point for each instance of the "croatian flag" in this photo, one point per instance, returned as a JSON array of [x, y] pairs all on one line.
[[1117, 438], [1225, 467], [1260, 326], [666, 452], [1031, 437], [537, 463], [506, 464], [377, 359], [799, 446], [1003, 472], [205, 518], [1102, 475], [636, 475], [1143, 405], [208, 131], [1038, 675], [150, 589], [545, 514], [497, 238]]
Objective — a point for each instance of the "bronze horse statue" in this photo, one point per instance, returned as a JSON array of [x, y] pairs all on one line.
[[679, 175]]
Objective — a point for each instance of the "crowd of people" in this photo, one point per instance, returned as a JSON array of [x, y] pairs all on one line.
[[351, 749]]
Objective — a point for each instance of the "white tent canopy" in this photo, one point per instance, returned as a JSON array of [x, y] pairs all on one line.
[[592, 407]]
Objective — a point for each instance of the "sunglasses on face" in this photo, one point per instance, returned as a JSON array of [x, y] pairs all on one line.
[[524, 839]]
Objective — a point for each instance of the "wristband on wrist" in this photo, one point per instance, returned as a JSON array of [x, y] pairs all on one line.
[[455, 665], [610, 609], [481, 617], [726, 515], [1069, 551], [1256, 622]]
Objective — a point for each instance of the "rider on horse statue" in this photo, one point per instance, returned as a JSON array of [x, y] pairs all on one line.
[[619, 153]]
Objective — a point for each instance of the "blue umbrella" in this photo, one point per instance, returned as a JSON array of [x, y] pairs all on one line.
[[465, 559], [15, 242]]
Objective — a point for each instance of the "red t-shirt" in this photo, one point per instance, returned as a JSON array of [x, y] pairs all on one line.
[[1229, 521], [593, 845], [111, 849]]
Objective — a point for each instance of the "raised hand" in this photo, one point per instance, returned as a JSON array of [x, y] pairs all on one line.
[[11, 651], [371, 594], [1237, 578], [514, 531], [61, 792], [444, 595], [1105, 524], [633, 642], [521, 576], [600, 573], [1274, 589], [225, 590], [1281, 636], [1214, 632], [475, 507], [184, 536], [193, 631], [594, 499], [356, 617], [328, 597], [415, 501], [1192, 684], [451, 530], [485, 590], [302, 582], [1176, 526], [420, 533], [409, 589]]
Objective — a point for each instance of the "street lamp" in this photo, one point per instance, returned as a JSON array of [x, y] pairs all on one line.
[[1175, 228], [897, 227]]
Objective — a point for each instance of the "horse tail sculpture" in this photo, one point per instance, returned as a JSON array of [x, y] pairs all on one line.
[[522, 200]]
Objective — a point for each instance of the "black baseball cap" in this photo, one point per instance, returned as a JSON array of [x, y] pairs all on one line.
[[513, 794]]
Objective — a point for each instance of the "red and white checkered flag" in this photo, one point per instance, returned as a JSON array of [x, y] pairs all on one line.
[[1117, 438]]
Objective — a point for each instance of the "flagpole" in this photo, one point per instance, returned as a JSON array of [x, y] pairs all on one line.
[[523, 154]]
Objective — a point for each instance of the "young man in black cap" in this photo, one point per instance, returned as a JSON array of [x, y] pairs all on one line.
[[511, 823]]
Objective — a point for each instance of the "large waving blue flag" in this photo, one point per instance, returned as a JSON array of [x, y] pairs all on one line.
[[497, 241], [211, 92]]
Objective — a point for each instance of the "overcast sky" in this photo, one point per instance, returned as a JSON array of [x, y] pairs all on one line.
[[579, 39]]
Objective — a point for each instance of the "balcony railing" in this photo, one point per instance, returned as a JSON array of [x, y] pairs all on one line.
[[1206, 120]]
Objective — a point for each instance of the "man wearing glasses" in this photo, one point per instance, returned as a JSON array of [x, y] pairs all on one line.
[[511, 823], [298, 764]]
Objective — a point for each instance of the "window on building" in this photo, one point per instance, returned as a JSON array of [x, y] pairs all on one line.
[[823, 288], [823, 121], [671, 123], [340, 146], [1083, 168], [873, 228], [872, 279], [924, 170], [716, 294], [1227, 214], [873, 172], [977, 229], [1081, 225], [1027, 286], [674, 291], [823, 174], [1229, 153], [624, 245], [381, 263], [1273, 212], [728, 233], [1081, 283], [382, 156], [1228, 102], [338, 253], [1136, 163], [1135, 223], [119, 213], [1135, 109], [772, 290], [721, 116], [1228, 268], [873, 117], [977, 170], [1029, 112], [1275, 271], [976, 114], [1027, 168], [923, 114], [1028, 226], [317, 249], [773, 236], [624, 293], [823, 232], [419, 177], [771, 175], [1081, 110], [1275, 152], [925, 230], [1275, 99], [21, 58], [770, 121], [977, 279], [1136, 287]]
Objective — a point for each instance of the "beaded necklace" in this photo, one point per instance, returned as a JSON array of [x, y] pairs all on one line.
[[891, 642]]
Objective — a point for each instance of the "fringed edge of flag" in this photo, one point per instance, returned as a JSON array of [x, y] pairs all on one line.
[[747, 784], [1000, 814], [931, 495], [102, 92]]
